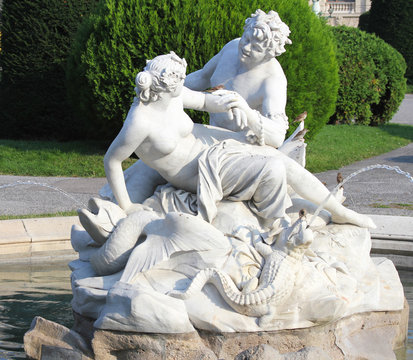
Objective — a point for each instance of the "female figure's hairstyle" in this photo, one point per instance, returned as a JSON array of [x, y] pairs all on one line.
[[269, 30], [161, 74]]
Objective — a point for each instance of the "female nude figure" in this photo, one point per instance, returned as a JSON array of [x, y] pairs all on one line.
[[165, 138]]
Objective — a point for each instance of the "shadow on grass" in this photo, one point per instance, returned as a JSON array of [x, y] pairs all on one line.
[[80, 147], [402, 131]]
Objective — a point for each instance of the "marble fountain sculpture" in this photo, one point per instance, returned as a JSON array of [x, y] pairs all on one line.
[[203, 248]]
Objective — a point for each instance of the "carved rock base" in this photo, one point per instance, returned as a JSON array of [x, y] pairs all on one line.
[[370, 335]]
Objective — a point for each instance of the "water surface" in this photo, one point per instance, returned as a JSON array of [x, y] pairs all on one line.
[[27, 290]]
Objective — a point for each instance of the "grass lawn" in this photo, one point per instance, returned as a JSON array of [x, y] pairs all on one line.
[[339, 145], [32, 216], [335, 146], [52, 158]]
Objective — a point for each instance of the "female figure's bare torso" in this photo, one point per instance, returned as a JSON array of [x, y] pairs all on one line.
[[169, 147], [173, 143]]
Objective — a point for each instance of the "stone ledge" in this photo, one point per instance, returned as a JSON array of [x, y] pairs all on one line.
[[24, 238], [50, 229], [392, 227], [393, 238], [13, 232], [36, 229]]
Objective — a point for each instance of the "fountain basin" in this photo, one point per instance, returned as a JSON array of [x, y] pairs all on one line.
[[29, 289]]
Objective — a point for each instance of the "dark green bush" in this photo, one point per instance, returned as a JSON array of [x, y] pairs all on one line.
[[372, 83], [393, 22], [364, 21], [112, 46], [36, 37]]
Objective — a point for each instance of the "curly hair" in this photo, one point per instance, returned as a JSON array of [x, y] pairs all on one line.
[[161, 74], [270, 30]]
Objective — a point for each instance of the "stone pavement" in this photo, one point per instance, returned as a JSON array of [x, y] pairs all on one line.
[[23, 198], [405, 113]]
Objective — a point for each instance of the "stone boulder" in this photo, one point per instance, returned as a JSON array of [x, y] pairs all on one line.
[[369, 335]]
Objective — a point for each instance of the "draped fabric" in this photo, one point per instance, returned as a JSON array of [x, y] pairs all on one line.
[[233, 171]]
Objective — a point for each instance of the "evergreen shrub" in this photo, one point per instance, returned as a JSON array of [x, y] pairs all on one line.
[[364, 21], [111, 47], [392, 21], [372, 83], [36, 37]]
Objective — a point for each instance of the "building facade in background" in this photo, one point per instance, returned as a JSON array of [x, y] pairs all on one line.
[[341, 12]]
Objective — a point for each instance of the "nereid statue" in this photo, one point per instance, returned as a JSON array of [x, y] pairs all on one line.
[[223, 244]]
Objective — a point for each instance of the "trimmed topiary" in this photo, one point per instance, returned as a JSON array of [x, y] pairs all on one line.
[[36, 37], [392, 21], [372, 83], [115, 41], [309, 64]]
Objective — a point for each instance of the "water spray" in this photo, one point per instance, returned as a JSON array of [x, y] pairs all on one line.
[[29, 182], [340, 184]]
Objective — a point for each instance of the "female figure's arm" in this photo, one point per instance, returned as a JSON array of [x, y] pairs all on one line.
[[127, 141]]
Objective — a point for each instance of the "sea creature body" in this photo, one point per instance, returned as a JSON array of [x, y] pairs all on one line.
[[260, 298]]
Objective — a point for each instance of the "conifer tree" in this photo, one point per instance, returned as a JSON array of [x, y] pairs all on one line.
[[392, 20], [36, 38]]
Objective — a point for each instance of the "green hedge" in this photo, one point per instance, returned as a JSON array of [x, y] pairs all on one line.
[[364, 21], [372, 83], [36, 37], [114, 42], [392, 20]]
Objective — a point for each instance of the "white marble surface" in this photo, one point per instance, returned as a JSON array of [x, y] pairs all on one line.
[[227, 234], [336, 278]]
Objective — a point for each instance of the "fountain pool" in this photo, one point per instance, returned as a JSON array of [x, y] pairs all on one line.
[[30, 289], [27, 290]]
